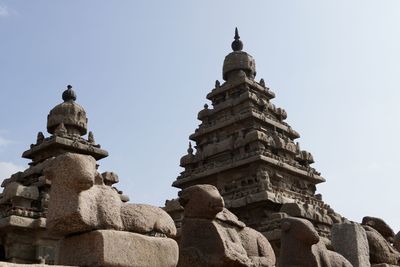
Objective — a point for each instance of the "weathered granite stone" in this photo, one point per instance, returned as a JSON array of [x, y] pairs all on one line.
[[117, 248], [301, 246], [380, 250], [213, 236], [396, 241], [383, 265], [8, 264], [80, 202], [17, 190], [110, 178], [350, 240], [379, 225], [245, 148], [24, 201]]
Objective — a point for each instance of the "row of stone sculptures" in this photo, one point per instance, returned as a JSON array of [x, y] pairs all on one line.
[[99, 229]]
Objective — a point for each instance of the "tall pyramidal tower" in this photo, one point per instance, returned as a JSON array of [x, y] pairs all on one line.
[[245, 148]]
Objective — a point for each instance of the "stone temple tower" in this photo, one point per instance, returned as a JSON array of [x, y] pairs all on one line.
[[25, 198], [245, 148]]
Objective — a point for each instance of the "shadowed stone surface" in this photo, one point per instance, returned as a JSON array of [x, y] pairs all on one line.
[[396, 241], [213, 236], [379, 225], [301, 246], [7, 264], [350, 240], [380, 250], [117, 248]]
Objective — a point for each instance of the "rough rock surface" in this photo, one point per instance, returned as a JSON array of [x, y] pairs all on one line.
[[380, 250], [379, 225], [301, 246], [350, 240], [8, 264], [117, 248], [396, 241], [213, 236], [80, 202], [82, 205]]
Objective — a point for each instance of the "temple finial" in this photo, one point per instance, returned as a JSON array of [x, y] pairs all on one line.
[[69, 94], [237, 45]]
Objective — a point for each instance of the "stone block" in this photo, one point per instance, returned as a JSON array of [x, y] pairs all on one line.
[[8, 264], [350, 240], [117, 248]]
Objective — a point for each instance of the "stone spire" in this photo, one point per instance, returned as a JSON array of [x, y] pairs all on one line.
[[245, 147]]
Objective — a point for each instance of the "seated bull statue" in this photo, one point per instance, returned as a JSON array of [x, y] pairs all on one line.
[[89, 213], [213, 236], [301, 247], [380, 236]]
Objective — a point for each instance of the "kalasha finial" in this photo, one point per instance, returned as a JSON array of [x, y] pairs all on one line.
[[69, 94], [237, 45]]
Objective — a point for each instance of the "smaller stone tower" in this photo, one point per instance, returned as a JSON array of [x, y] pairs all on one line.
[[25, 198]]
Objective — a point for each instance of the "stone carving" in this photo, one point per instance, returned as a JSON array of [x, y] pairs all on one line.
[[81, 201], [301, 246], [82, 204], [213, 236], [379, 225], [91, 138], [39, 138], [379, 236]]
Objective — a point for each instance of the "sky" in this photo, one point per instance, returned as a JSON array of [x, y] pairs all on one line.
[[142, 70]]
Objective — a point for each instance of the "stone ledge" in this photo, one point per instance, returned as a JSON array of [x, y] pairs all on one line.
[[25, 222], [117, 248]]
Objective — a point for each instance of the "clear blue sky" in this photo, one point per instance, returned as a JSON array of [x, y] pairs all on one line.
[[142, 70]]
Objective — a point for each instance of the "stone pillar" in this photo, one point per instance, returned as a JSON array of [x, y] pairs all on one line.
[[350, 240]]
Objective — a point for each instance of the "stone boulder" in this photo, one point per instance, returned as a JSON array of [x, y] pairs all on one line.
[[301, 247], [213, 236]]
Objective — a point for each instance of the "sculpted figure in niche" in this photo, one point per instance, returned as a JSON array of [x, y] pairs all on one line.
[[80, 201], [301, 247], [213, 236]]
